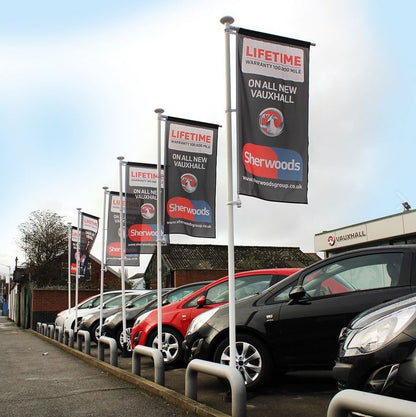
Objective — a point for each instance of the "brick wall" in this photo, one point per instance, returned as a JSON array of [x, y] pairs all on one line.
[[46, 304]]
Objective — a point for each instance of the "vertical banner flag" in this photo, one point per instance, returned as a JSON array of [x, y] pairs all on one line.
[[74, 240], [113, 234], [272, 116], [141, 206], [89, 230], [190, 177]]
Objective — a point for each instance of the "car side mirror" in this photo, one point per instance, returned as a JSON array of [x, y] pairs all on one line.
[[296, 294], [201, 301], [165, 302]]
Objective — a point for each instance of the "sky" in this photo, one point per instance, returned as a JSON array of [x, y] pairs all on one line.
[[79, 83]]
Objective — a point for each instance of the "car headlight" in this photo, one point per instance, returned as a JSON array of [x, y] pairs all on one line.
[[379, 333], [200, 320], [141, 318]]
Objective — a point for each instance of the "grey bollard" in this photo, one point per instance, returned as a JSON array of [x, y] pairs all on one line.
[[50, 331], [369, 404], [69, 337], [84, 335], [59, 334], [156, 355], [234, 377], [104, 340]]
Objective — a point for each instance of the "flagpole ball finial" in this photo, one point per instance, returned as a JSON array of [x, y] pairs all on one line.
[[159, 111], [120, 158], [227, 19]]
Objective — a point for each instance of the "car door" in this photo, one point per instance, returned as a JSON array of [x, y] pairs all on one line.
[[306, 331]]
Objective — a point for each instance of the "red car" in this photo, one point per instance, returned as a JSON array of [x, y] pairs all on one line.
[[176, 317]]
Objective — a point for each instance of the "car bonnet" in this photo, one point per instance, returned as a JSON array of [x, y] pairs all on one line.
[[381, 310]]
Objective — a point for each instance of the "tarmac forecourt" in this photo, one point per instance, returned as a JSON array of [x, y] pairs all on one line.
[[297, 394], [169, 395]]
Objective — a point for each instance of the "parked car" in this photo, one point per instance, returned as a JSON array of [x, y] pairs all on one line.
[[177, 316], [296, 323], [91, 322], [90, 302], [69, 318], [377, 350], [113, 325]]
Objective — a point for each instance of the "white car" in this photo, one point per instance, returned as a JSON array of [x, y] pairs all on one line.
[[66, 319]]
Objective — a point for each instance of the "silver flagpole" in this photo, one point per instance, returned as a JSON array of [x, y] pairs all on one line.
[[77, 271], [159, 227], [122, 268], [227, 21], [69, 265], [103, 266]]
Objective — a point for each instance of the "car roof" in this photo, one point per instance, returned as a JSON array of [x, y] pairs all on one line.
[[272, 271]]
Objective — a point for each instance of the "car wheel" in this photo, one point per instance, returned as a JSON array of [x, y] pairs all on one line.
[[95, 332], [120, 341], [171, 345], [252, 359]]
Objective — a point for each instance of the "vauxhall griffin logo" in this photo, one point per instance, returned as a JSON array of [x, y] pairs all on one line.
[[331, 240], [147, 211], [189, 183], [271, 122]]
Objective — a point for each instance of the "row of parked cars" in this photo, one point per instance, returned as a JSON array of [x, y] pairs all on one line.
[[353, 313]]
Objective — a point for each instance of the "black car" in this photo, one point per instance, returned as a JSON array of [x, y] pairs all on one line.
[[91, 322], [112, 326], [377, 351], [296, 323]]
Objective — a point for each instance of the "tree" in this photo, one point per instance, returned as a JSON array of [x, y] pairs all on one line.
[[44, 241]]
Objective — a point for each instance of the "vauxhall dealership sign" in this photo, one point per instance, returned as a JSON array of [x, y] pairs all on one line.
[[191, 158], [272, 116]]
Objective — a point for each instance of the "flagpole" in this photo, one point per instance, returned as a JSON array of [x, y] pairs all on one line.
[[103, 266], [122, 268], [159, 227], [227, 21], [69, 265], [77, 271]]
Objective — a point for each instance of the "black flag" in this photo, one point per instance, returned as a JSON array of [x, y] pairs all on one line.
[[191, 172], [272, 116]]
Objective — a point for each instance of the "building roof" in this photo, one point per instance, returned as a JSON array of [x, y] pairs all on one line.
[[215, 257]]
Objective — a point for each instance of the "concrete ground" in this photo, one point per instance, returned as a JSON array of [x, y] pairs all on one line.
[[47, 378]]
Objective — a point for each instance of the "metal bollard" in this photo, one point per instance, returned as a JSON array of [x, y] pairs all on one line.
[[38, 326], [234, 377], [104, 340], [50, 331], [69, 337], [59, 334], [369, 404], [159, 365], [44, 329], [84, 335]]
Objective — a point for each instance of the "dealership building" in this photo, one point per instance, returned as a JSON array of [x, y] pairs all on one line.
[[397, 229]]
